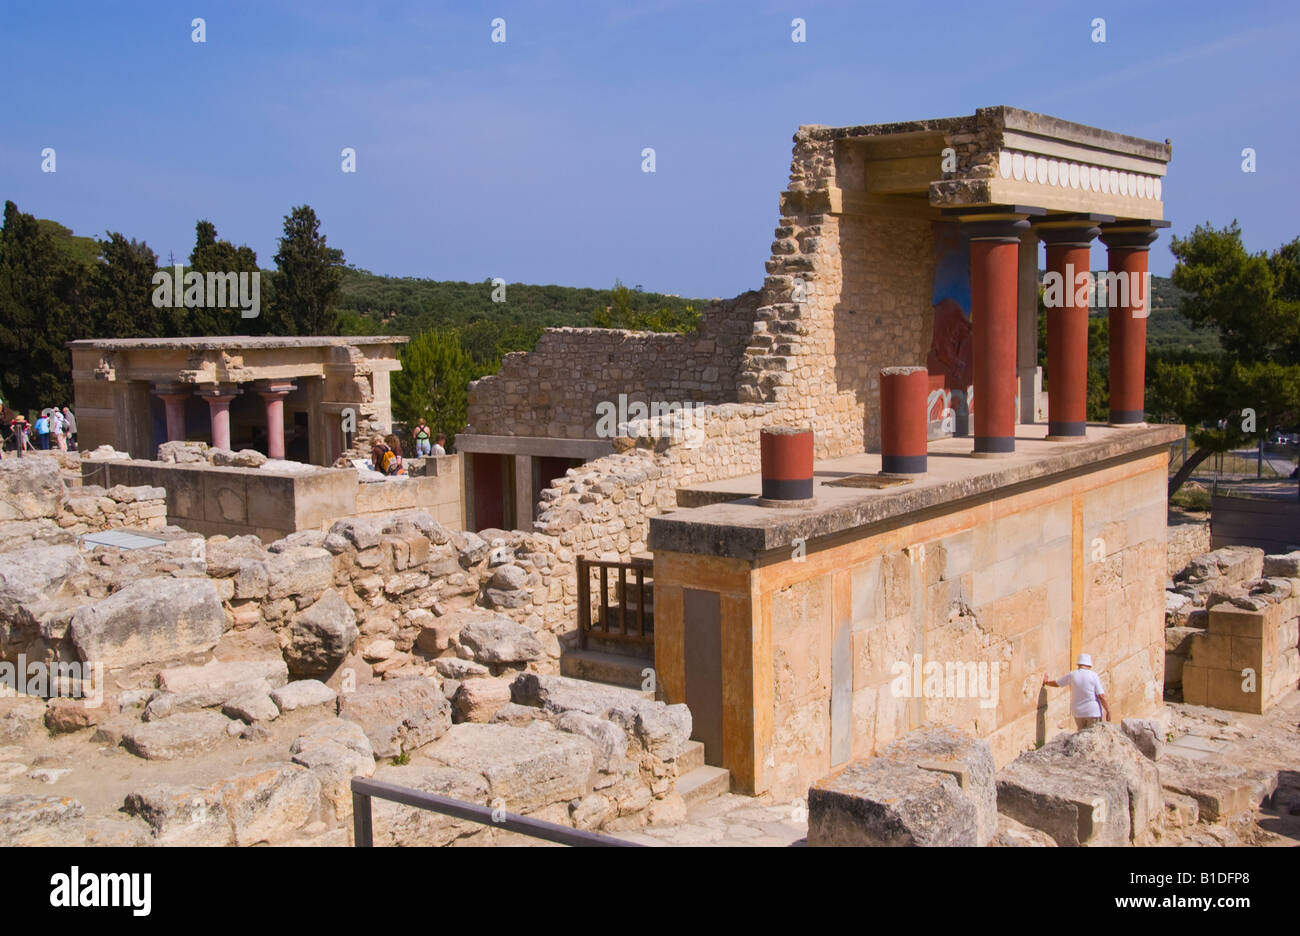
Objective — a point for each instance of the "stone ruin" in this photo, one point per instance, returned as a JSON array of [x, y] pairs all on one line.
[[244, 684]]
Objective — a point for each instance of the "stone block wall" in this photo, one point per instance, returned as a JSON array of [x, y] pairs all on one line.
[[835, 645], [1242, 652], [553, 390]]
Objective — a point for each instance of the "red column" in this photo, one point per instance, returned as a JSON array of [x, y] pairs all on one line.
[[904, 422], [1069, 241], [273, 396], [1128, 244], [994, 294], [786, 458], [219, 408], [174, 404]]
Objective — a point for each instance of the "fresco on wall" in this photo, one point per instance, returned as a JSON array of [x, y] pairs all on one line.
[[949, 358]]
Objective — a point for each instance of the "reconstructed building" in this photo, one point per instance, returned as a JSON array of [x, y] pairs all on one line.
[[788, 631], [305, 399]]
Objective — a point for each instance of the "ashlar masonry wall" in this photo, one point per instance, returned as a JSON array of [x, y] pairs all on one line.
[[811, 644]]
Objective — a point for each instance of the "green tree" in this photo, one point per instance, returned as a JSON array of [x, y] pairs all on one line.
[[41, 290], [308, 276], [212, 255], [121, 291], [1253, 302], [432, 383]]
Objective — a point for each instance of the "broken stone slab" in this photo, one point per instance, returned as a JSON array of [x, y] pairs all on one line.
[[28, 575], [303, 693], [885, 802], [149, 621], [662, 730], [514, 714], [247, 809], [164, 704], [1220, 790], [608, 740], [225, 558], [458, 669], [314, 538], [216, 683], [1092, 787], [967, 758], [178, 736], [399, 714], [1147, 734], [321, 637], [525, 769], [397, 825], [335, 752], [498, 639], [40, 821]]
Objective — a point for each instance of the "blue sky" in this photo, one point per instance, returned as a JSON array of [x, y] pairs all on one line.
[[523, 159]]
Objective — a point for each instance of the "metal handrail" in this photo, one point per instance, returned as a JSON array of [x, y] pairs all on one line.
[[363, 833]]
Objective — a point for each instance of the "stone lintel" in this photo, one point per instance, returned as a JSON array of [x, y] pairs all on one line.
[[533, 445]]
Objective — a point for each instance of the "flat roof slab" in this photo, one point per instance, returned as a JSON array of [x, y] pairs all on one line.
[[739, 528]]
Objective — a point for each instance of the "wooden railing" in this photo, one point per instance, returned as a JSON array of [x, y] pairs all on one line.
[[640, 627]]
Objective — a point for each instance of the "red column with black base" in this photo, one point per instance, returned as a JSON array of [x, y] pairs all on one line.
[[1128, 247], [786, 456], [904, 422]]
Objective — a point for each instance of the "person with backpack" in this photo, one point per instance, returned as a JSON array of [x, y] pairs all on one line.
[[423, 441], [385, 460]]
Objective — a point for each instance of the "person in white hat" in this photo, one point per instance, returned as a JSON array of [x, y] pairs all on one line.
[[1087, 698]]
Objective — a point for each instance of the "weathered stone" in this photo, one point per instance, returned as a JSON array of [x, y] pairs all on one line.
[[378, 650], [181, 452], [967, 758], [1092, 787], [591, 811], [1220, 790], [1283, 565], [398, 715], [30, 488], [302, 570], [244, 458], [335, 752], [252, 707], [395, 824], [321, 637], [216, 683], [501, 640], [1012, 834], [514, 714], [525, 768], [262, 806], [470, 547], [886, 802], [149, 621], [67, 715], [608, 740], [20, 719], [663, 730], [27, 820], [669, 809], [478, 700], [1146, 734], [456, 668], [302, 694], [177, 736]]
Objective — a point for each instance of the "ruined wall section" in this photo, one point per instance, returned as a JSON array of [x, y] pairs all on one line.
[[553, 390]]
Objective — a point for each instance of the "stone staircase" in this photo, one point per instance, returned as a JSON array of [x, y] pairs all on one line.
[[697, 782]]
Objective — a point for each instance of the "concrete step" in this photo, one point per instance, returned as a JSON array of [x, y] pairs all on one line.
[[690, 758], [703, 783], [613, 669]]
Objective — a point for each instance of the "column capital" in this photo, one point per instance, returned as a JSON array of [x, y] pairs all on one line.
[[1135, 234], [218, 392], [165, 389], [281, 387], [1070, 230], [1001, 223]]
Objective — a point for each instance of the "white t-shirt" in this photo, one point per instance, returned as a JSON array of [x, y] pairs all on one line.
[[1085, 686], [438, 450]]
